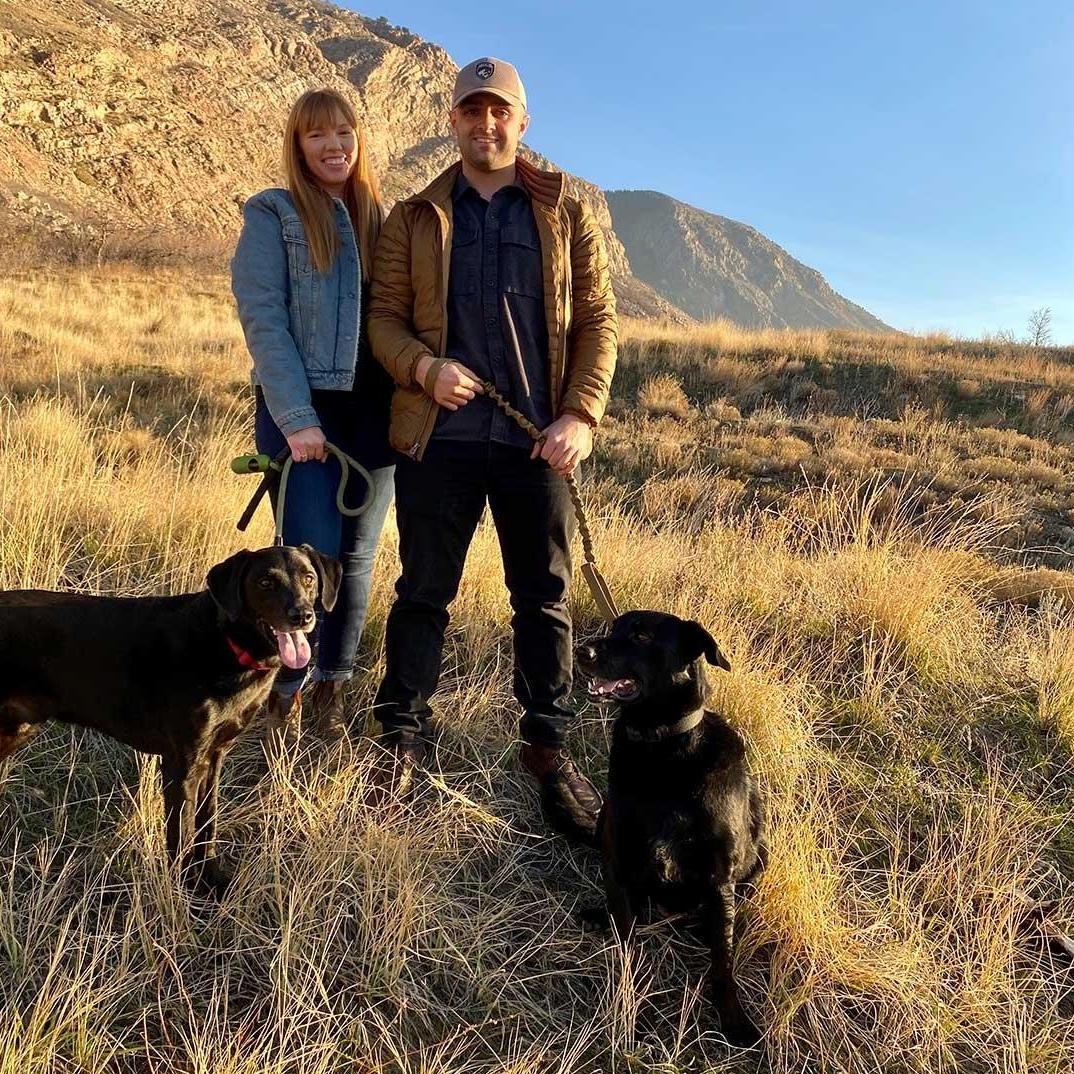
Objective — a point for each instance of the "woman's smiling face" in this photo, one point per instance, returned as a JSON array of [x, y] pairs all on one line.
[[330, 150]]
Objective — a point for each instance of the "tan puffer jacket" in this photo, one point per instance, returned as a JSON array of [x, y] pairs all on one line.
[[408, 310]]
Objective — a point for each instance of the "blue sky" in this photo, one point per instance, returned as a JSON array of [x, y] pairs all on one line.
[[919, 155]]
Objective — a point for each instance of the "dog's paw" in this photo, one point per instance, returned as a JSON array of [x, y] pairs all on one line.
[[740, 1032], [595, 918], [209, 881]]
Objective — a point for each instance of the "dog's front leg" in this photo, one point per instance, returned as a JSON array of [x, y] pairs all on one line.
[[624, 915], [180, 808], [760, 863], [720, 922], [208, 799], [210, 878]]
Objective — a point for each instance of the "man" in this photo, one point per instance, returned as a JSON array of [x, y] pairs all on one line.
[[491, 251]]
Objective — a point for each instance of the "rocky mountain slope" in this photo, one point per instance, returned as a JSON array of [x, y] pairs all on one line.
[[712, 267], [162, 116]]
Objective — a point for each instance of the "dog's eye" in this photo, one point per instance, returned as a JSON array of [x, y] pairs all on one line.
[[310, 579], [266, 583], [642, 637]]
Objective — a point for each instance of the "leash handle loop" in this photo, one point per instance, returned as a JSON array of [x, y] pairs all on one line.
[[280, 470]]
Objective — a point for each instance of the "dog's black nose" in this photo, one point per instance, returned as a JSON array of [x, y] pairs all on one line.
[[587, 654], [299, 617]]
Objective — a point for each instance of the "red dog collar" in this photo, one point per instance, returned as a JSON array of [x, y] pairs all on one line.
[[244, 658]]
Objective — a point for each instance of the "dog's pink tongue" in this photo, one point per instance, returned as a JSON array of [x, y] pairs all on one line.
[[294, 648]]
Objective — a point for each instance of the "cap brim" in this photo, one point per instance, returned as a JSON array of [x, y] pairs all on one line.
[[507, 98]]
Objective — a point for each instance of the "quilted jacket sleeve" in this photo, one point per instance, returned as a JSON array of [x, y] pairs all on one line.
[[391, 327], [594, 334]]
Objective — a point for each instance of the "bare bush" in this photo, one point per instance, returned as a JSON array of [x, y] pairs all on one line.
[[1039, 327]]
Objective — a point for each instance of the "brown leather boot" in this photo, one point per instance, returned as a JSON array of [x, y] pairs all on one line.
[[283, 718], [395, 768], [569, 801], [325, 702]]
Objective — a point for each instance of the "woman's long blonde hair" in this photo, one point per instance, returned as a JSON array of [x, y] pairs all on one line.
[[317, 108]]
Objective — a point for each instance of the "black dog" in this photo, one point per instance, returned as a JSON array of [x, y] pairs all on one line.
[[682, 822], [177, 676]]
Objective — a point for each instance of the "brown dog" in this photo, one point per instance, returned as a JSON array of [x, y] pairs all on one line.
[[177, 676]]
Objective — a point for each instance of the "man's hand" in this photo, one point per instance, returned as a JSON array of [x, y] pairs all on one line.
[[307, 444], [567, 442], [455, 385]]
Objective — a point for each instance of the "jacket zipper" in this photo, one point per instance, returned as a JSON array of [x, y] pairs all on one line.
[[430, 410], [568, 313]]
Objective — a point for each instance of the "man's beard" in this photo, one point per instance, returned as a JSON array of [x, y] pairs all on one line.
[[492, 158]]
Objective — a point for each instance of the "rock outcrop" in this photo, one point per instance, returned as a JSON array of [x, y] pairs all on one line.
[[159, 117]]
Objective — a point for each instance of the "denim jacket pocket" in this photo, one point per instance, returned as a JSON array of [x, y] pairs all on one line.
[[303, 280]]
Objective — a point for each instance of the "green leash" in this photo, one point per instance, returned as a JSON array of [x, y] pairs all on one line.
[[278, 470]]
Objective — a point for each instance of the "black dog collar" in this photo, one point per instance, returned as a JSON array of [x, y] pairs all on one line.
[[658, 734]]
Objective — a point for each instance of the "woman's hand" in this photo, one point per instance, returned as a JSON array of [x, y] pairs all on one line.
[[455, 385], [307, 444]]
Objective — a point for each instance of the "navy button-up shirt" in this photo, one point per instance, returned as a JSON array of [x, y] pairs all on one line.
[[496, 254]]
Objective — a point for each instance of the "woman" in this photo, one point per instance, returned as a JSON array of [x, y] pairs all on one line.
[[300, 276]]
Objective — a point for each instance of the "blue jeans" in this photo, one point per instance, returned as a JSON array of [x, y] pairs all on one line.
[[311, 517]]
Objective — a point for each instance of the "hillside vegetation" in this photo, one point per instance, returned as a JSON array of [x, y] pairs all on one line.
[[873, 526]]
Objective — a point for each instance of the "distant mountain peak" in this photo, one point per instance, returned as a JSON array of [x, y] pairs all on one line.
[[711, 266]]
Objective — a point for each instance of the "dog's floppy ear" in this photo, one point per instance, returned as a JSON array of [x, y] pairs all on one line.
[[225, 583], [329, 572], [697, 641]]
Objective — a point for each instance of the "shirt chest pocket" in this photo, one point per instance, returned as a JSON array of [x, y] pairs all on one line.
[[465, 259], [521, 264]]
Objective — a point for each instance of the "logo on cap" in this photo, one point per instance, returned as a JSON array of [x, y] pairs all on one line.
[[484, 70]]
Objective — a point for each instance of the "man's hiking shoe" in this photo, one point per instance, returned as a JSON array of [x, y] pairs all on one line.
[[283, 718], [327, 706], [569, 802], [395, 768]]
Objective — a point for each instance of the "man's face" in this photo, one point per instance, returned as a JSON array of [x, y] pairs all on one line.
[[488, 131]]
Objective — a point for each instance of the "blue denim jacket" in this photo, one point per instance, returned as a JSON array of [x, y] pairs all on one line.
[[301, 326]]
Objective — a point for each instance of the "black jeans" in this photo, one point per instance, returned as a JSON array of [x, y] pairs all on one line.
[[438, 504]]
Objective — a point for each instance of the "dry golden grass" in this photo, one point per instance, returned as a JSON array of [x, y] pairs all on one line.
[[662, 395], [965, 360], [908, 698]]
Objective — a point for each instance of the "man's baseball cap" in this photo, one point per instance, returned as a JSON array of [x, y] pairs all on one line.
[[489, 75]]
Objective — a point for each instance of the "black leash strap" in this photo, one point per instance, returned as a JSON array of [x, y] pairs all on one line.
[[270, 478]]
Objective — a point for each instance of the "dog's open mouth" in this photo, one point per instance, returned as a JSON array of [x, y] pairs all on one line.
[[613, 689], [294, 646]]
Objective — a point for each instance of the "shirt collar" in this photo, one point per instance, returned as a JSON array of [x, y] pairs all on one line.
[[462, 185]]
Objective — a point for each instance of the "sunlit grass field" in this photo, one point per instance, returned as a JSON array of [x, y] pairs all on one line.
[[876, 530]]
